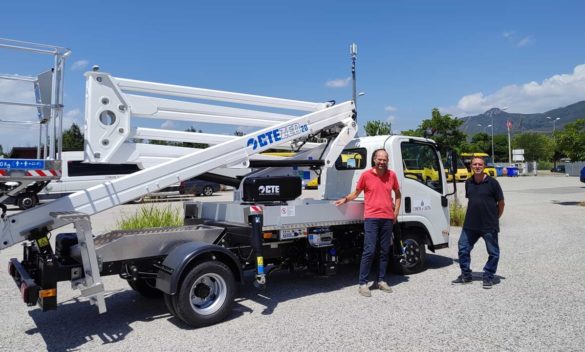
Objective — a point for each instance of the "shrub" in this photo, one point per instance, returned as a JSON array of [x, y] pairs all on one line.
[[457, 214], [152, 216]]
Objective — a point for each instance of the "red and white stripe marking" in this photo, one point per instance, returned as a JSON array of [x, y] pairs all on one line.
[[36, 173], [255, 209]]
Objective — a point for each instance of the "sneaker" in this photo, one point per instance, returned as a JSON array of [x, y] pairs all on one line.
[[383, 286], [365, 291], [462, 279], [488, 282]]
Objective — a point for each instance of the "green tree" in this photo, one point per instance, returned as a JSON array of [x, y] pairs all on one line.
[[73, 138], [537, 146], [194, 145], [377, 128], [2, 151], [571, 140], [481, 142], [443, 129]]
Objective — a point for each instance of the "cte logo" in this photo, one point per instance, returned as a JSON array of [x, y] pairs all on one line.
[[269, 189], [276, 135]]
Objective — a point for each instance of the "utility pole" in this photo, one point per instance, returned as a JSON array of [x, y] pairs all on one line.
[[353, 53]]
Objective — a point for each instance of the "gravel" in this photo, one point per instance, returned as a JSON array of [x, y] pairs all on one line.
[[537, 304]]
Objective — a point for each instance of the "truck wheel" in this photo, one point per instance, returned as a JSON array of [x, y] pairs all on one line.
[[206, 295], [207, 191], [26, 200], [145, 287], [414, 258], [170, 305]]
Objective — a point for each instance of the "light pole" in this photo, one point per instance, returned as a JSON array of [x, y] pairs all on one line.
[[554, 120], [492, 116]]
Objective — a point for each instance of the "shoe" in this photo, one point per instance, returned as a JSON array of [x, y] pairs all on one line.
[[383, 286], [462, 279], [365, 291], [488, 282]]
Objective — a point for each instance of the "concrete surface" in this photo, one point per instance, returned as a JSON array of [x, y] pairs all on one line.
[[538, 303]]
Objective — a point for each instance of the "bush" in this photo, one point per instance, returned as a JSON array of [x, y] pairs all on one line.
[[457, 214], [544, 165], [152, 216]]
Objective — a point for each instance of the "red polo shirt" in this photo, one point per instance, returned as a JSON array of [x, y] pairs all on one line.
[[378, 193]]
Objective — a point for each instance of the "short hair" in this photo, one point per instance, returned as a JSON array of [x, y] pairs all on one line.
[[480, 158]]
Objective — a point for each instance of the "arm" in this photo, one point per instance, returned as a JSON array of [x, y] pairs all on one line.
[[397, 202], [353, 195], [501, 205]]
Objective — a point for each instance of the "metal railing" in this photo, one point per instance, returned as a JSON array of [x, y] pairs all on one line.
[[48, 90]]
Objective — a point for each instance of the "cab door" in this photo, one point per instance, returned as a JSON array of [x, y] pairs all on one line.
[[423, 187]]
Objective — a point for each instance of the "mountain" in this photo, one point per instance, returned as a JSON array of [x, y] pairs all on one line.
[[522, 123]]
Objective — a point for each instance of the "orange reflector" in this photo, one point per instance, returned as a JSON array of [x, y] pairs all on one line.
[[267, 235], [51, 292]]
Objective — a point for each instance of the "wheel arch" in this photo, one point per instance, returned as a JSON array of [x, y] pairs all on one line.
[[186, 256]]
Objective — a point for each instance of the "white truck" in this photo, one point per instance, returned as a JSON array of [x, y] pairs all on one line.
[[196, 268]]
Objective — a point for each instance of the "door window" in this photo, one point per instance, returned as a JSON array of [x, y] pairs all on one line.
[[421, 163]]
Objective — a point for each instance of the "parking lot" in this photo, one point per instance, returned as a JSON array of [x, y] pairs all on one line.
[[537, 304]]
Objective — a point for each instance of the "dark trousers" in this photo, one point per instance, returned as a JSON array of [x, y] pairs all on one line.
[[374, 230], [466, 243]]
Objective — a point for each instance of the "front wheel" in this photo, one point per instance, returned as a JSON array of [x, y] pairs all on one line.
[[206, 295], [412, 254]]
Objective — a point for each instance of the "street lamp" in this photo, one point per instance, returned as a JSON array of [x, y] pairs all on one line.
[[554, 120], [492, 116]]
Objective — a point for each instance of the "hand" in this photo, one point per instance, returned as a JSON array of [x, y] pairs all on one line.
[[341, 201]]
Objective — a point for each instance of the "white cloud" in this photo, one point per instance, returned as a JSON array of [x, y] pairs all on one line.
[[17, 124], [79, 65], [532, 97], [517, 40], [338, 83], [390, 108]]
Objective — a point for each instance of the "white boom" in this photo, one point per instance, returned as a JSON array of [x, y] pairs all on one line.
[[110, 107]]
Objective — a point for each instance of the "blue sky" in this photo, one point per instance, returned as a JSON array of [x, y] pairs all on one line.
[[463, 57]]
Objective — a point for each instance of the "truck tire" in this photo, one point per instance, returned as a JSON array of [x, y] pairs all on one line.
[[170, 304], [26, 200], [146, 287], [414, 259], [206, 295], [207, 191]]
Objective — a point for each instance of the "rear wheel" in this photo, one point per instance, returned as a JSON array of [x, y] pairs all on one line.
[[27, 200], [207, 191], [206, 295]]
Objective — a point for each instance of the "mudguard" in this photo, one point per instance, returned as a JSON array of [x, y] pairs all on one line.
[[181, 257]]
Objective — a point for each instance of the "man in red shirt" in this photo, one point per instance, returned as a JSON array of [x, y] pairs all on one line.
[[379, 216]]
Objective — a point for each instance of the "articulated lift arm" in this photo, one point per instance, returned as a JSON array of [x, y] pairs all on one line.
[[110, 107]]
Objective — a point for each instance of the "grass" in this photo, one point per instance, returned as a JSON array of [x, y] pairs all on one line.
[[457, 213], [152, 216]]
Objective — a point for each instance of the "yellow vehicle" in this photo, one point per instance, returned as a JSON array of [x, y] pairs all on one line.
[[461, 174], [490, 168], [312, 184]]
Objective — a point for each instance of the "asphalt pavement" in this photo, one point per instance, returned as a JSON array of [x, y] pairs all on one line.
[[538, 303]]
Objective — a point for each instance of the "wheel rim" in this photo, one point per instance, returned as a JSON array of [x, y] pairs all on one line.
[[411, 253], [208, 294], [207, 191], [27, 202]]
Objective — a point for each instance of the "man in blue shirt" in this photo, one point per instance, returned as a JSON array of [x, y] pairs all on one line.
[[484, 208]]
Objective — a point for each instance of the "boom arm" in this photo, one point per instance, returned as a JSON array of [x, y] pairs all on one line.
[[108, 114]]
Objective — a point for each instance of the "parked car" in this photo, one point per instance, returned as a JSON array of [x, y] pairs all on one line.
[[583, 174], [558, 168], [199, 187]]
